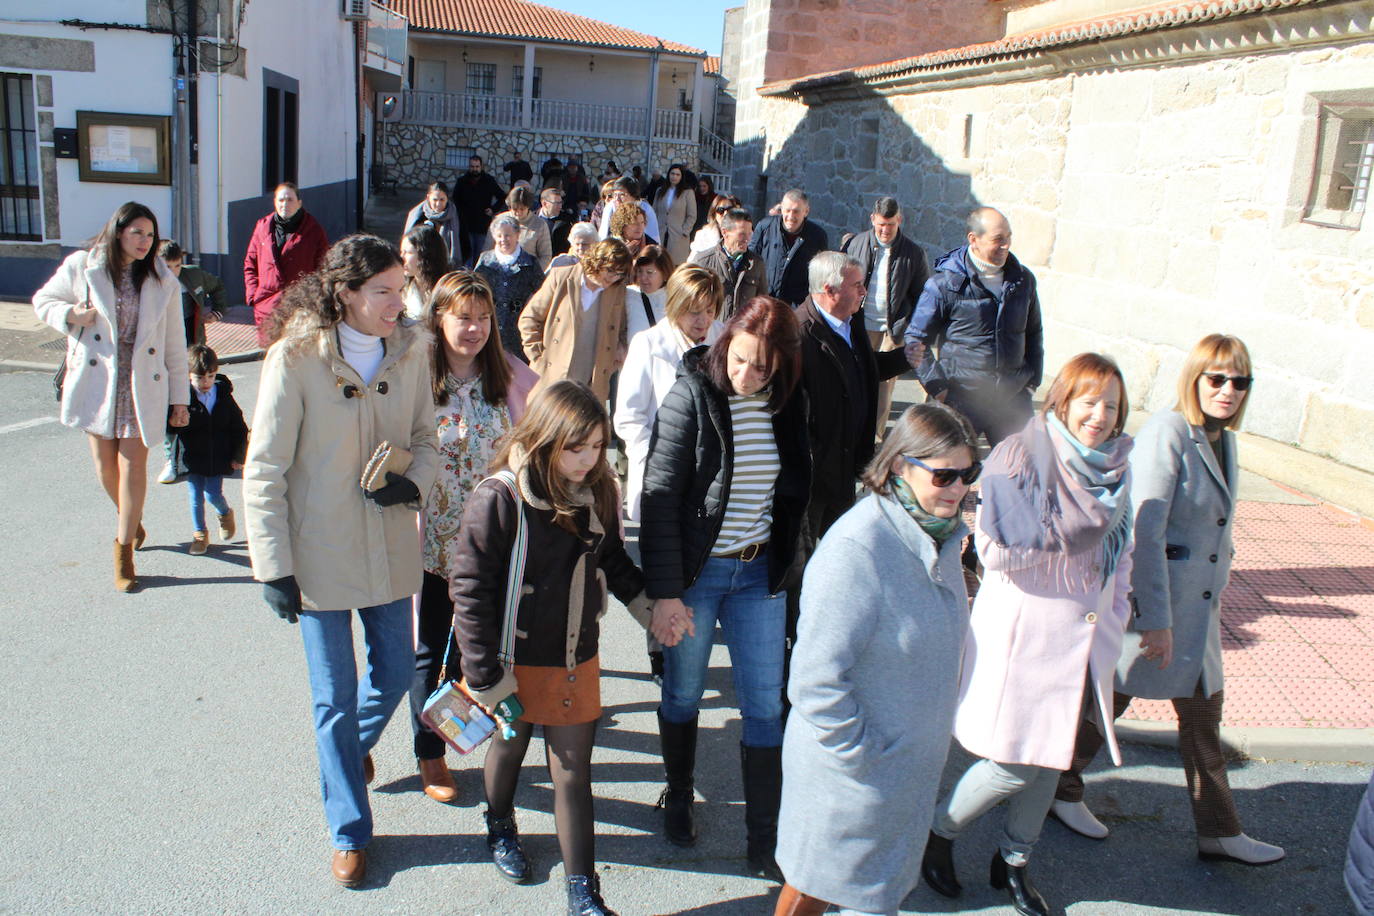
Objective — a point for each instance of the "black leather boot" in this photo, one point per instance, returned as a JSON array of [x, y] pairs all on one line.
[[937, 866], [584, 897], [506, 852], [679, 744], [1015, 880], [762, 767]]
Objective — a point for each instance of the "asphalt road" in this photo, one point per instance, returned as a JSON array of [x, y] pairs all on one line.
[[159, 759]]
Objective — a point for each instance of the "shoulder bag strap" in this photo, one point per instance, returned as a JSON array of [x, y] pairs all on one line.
[[515, 574], [515, 579], [648, 308]]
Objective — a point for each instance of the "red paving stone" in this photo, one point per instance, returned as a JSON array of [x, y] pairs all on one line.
[[234, 334], [1297, 622]]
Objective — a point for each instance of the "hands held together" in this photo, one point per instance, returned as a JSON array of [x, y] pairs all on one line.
[[671, 621]]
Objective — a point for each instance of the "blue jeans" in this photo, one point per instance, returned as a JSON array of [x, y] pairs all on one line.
[[203, 488], [753, 622], [350, 715]]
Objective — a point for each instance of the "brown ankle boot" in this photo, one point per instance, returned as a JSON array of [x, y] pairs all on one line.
[[124, 577], [227, 528], [792, 902], [437, 781]]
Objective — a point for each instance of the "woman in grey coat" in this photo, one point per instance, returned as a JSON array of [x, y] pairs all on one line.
[[1185, 471], [875, 675]]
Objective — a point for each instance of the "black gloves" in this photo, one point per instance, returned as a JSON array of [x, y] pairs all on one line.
[[283, 596], [399, 489]]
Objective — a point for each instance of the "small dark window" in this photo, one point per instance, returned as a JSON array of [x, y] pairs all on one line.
[[866, 148], [517, 81], [19, 199], [482, 79]]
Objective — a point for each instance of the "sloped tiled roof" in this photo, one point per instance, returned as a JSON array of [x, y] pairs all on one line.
[[712, 66], [517, 19], [1169, 15]]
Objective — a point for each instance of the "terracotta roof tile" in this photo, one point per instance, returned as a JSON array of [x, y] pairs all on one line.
[[712, 66], [1173, 14], [519, 19]]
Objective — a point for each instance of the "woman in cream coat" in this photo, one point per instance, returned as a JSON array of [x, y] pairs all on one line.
[[346, 375], [1185, 473], [692, 317], [120, 308], [675, 205]]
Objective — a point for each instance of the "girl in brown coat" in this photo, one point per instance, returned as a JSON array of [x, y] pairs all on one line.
[[567, 495]]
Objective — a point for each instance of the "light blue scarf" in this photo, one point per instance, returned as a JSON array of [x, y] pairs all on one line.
[[1103, 475]]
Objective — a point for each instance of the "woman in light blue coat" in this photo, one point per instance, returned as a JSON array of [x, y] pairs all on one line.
[[1185, 472], [875, 675]]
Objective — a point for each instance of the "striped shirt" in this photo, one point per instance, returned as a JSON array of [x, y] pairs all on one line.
[[749, 504]]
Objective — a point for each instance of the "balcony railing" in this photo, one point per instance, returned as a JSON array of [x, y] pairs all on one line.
[[458, 109], [717, 151], [386, 39]]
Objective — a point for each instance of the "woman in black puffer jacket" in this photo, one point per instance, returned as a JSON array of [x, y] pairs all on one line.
[[725, 491]]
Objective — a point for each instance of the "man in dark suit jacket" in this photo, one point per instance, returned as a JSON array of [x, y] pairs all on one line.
[[840, 374], [552, 212], [787, 243], [894, 270]]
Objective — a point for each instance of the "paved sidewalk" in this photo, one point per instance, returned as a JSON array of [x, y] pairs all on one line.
[[1298, 623]]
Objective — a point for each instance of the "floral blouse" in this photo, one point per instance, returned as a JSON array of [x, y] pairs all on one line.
[[470, 431]]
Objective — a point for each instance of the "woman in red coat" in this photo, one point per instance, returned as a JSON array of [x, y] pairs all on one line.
[[286, 243]]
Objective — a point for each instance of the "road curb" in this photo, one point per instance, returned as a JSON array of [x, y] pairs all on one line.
[[25, 364], [1310, 745], [247, 356]]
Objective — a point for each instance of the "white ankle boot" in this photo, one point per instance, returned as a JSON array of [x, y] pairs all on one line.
[[1077, 817], [1239, 848]]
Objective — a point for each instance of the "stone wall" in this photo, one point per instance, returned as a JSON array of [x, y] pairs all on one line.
[[1155, 204], [414, 153]]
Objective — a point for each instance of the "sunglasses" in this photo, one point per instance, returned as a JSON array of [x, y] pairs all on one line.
[[1239, 382], [943, 477], [722, 209]]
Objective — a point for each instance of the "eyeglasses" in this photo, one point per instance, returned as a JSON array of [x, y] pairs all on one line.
[[1218, 379], [943, 477]]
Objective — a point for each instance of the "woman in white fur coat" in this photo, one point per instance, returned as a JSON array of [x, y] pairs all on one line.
[[120, 308]]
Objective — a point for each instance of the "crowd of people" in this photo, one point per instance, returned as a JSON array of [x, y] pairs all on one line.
[[742, 369]]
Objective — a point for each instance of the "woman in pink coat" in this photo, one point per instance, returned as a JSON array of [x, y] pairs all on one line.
[[1054, 533]]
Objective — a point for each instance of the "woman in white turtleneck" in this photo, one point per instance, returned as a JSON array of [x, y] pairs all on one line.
[[514, 276], [647, 297], [346, 375]]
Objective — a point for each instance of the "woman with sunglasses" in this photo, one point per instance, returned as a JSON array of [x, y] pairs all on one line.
[[873, 689], [707, 238], [1054, 534], [1184, 466]]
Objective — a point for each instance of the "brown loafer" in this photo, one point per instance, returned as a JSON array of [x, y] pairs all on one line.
[[349, 866], [369, 770], [437, 780]]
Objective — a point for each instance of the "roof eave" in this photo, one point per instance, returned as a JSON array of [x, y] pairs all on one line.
[[566, 42]]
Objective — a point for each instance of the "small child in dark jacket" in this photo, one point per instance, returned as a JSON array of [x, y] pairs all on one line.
[[213, 444]]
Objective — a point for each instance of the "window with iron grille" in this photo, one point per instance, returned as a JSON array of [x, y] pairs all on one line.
[[456, 157], [1345, 165], [517, 81], [481, 79], [20, 210]]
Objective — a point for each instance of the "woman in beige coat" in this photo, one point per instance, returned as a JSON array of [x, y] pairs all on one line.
[[676, 207], [346, 375], [120, 308], [574, 326]]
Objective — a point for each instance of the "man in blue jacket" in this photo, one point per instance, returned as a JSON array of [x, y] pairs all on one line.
[[787, 242], [979, 317]]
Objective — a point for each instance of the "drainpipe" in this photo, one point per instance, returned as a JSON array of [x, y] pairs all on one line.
[[193, 130], [649, 121], [359, 202]]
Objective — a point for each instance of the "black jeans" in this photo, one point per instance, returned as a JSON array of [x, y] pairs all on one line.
[[434, 634], [995, 416]]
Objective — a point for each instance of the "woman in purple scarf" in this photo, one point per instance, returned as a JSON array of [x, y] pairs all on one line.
[[1054, 534]]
